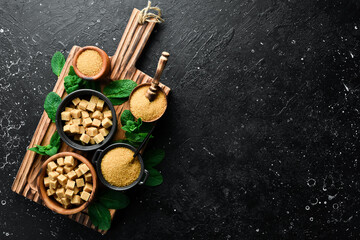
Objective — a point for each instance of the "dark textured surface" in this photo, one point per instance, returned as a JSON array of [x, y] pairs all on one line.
[[262, 130]]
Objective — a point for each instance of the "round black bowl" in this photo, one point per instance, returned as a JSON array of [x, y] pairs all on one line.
[[84, 93], [99, 154]]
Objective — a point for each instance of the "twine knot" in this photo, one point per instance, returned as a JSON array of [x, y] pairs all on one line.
[[146, 16]]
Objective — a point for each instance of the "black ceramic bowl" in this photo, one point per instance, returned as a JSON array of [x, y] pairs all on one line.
[[99, 154], [84, 93]]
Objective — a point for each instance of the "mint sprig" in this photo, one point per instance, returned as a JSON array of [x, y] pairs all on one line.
[[50, 149], [119, 91], [51, 104], [73, 82], [151, 159]]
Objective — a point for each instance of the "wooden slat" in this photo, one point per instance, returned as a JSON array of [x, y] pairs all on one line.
[[123, 63]]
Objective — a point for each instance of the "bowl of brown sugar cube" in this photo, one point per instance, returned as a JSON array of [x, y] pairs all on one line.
[[86, 120], [67, 183]]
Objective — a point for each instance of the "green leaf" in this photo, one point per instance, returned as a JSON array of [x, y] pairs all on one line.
[[51, 151], [95, 85], [125, 116], [119, 88], [72, 83], [117, 101], [100, 216], [51, 105], [55, 139], [153, 157], [35, 149], [114, 200], [57, 63], [155, 178], [72, 71]]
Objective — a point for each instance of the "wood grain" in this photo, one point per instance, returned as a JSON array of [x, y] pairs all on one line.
[[123, 63]]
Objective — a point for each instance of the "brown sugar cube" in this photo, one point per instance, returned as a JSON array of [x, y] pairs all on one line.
[[99, 138], [60, 192], [60, 162], [92, 141], [70, 184], [85, 138], [52, 166], [65, 201], [107, 114], [85, 195], [72, 175], [76, 113], [76, 101], [87, 122], [67, 169], [85, 114], [106, 123], [69, 161], [83, 168], [65, 116], [53, 175], [46, 181], [62, 179], [97, 114], [50, 192], [78, 172], [69, 193], [88, 187], [104, 131], [68, 109], [74, 129], [94, 99], [69, 122], [80, 182], [66, 128], [76, 200], [96, 123], [88, 177], [77, 137], [91, 131], [82, 129], [52, 183], [76, 121], [60, 170], [76, 190], [91, 106], [57, 199], [83, 104], [100, 105]]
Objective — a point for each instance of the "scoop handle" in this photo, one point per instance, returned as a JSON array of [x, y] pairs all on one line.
[[151, 92]]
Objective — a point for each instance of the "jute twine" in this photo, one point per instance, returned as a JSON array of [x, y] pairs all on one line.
[[146, 16]]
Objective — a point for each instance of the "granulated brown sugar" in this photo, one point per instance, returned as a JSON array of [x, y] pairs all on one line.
[[119, 168], [141, 107], [89, 63]]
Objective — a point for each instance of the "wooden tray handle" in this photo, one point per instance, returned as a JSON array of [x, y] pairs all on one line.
[[151, 92]]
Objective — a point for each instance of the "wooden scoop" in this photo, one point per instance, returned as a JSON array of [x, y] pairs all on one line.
[[151, 93]]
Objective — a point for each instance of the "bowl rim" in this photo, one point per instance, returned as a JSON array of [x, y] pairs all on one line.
[[54, 205], [97, 161], [59, 123], [104, 69], [148, 84]]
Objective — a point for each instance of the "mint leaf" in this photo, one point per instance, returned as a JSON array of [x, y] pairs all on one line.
[[72, 83], [125, 116], [114, 200], [57, 63], [50, 149], [51, 105], [153, 157], [155, 178], [117, 101], [119, 88], [72, 71], [100, 216]]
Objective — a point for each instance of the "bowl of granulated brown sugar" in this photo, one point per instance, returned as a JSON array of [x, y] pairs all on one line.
[[91, 63]]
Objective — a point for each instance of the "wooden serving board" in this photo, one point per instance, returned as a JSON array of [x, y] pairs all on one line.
[[123, 62]]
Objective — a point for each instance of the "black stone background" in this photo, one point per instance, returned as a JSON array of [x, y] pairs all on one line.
[[261, 134]]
